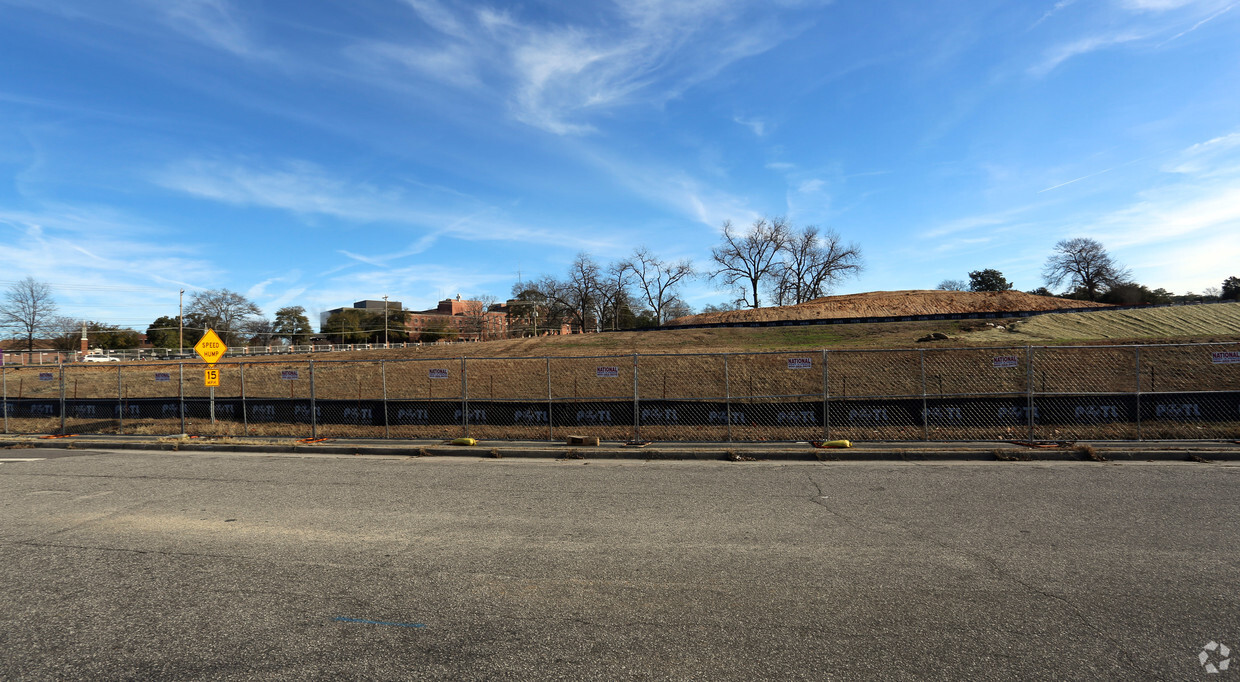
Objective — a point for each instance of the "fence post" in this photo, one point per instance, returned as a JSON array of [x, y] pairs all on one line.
[[727, 396], [181, 393], [550, 419], [925, 417], [62, 399], [245, 415], [637, 431], [464, 400], [314, 416], [120, 402], [1137, 352], [1029, 389], [826, 419], [383, 378], [4, 379]]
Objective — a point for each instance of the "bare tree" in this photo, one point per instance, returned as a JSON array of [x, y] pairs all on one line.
[[529, 307], [613, 293], [227, 312], [745, 260], [66, 332], [479, 320], [28, 309], [953, 285], [549, 296], [657, 279], [675, 308], [1085, 264], [578, 292], [260, 330], [813, 264]]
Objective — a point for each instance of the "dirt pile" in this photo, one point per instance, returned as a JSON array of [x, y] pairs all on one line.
[[894, 303]]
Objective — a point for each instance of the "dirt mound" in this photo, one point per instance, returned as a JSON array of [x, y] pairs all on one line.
[[894, 303]]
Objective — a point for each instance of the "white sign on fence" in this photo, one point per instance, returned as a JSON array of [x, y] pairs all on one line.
[[437, 374], [800, 363], [611, 372], [46, 376], [1007, 361], [163, 376], [288, 374], [1227, 357]]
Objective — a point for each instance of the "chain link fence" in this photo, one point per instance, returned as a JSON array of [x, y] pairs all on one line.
[[1157, 392]]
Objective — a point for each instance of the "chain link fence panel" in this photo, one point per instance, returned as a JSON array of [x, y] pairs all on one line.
[[683, 398], [593, 396], [507, 398], [875, 395], [151, 399], [1085, 392], [33, 399], [976, 394], [348, 400], [1189, 392], [424, 398], [777, 396], [83, 412], [1184, 391]]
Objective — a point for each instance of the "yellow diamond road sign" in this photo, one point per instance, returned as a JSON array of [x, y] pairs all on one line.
[[210, 347]]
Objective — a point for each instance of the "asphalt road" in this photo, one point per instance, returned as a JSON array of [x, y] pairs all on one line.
[[131, 565]]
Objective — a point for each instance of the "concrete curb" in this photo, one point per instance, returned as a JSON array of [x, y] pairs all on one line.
[[738, 452]]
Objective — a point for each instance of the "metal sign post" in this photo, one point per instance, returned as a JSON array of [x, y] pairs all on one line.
[[211, 348], [211, 378]]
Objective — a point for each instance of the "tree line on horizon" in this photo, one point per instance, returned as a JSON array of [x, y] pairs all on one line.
[[1091, 274], [771, 258]]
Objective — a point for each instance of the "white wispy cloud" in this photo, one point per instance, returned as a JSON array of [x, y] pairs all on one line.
[[674, 188], [1180, 232], [1174, 212], [88, 251], [756, 125], [1058, 7], [1212, 157], [1062, 53], [1197, 25], [1154, 5], [556, 76], [216, 23], [981, 221], [305, 188], [1090, 175]]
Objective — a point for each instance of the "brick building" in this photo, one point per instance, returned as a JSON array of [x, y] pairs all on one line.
[[469, 319]]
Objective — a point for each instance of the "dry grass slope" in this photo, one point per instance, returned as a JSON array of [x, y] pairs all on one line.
[[894, 303], [1212, 322]]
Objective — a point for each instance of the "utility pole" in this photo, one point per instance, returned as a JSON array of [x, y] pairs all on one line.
[[181, 323], [385, 313]]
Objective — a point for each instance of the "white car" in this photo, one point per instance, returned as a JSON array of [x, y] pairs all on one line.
[[99, 358]]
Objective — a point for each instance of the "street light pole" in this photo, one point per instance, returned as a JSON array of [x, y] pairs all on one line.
[[181, 324], [385, 314]]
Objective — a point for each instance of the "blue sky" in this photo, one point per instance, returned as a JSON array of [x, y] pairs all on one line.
[[316, 153]]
